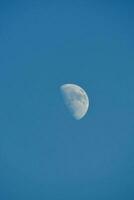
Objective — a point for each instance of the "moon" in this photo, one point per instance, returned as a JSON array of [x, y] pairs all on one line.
[[75, 99]]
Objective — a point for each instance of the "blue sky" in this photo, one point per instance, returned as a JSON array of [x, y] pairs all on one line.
[[44, 152]]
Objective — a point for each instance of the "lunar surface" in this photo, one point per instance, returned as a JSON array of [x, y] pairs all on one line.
[[75, 99]]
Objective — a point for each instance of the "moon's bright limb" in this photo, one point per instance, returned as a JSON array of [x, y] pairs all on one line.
[[75, 99]]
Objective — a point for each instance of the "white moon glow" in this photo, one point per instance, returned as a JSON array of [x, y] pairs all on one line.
[[75, 99]]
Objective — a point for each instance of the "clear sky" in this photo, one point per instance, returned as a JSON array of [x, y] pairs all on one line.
[[45, 154]]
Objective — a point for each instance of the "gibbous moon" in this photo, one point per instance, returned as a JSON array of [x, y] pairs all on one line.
[[75, 99]]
